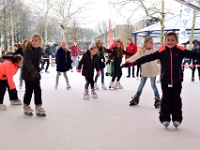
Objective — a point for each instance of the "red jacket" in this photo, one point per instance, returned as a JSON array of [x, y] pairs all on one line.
[[131, 48], [7, 71], [75, 50], [114, 44]]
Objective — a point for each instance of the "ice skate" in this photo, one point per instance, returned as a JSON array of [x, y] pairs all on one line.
[[28, 110], [118, 85], [86, 95], [94, 94], [3, 107], [103, 86], [176, 124], [192, 79], [20, 85], [157, 103], [165, 123], [111, 85], [135, 100], [16, 102], [96, 86], [40, 111], [56, 86], [68, 86]]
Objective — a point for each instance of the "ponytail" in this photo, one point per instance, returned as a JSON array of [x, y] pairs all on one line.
[[14, 59]]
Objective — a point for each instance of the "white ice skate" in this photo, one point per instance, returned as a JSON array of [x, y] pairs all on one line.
[[3, 107], [86, 95], [94, 94], [176, 124], [28, 110], [56, 86], [40, 111], [16, 102], [103, 86], [111, 85], [96, 86], [117, 84], [68, 86], [165, 123]]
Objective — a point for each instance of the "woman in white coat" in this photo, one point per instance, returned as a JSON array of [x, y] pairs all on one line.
[[149, 70]]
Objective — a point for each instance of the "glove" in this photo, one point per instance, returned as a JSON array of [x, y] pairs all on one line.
[[13, 91], [79, 70], [98, 73], [35, 74], [108, 62]]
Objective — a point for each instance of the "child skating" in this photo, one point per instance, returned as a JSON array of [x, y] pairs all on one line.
[[149, 70], [89, 63], [7, 71], [63, 61], [31, 76], [171, 56]]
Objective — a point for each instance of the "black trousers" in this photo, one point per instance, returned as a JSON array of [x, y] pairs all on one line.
[[43, 62], [194, 69], [129, 70], [31, 87], [138, 70], [171, 103], [89, 81], [3, 86], [117, 71]]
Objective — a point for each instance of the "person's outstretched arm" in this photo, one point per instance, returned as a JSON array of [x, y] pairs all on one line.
[[148, 58]]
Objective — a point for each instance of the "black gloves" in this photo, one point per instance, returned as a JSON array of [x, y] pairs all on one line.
[[13, 91], [35, 74]]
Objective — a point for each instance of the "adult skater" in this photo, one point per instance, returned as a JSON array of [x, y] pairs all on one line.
[[89, 63], [171, 56], [7, 71], [31, 76], [63, 61], [117, 54], [149, 70]]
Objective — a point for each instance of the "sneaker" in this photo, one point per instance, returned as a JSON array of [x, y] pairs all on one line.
[[16, 102], [40, 111], [3, 107], [165, 123], [176, 123]]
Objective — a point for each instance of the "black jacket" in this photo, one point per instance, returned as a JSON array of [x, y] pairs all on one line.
[[88, 64], [171, 60], [31, 63], [101, 57], [47, 51], [196, 61], [18, 52]]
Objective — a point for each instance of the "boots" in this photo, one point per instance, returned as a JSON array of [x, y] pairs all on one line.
[[117, 84], [157, 103], [111, 85], [135, 100]]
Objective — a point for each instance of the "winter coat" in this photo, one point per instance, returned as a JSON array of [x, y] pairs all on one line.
[[101, 57], [47, 51], [149, 69], [196, 61], [18, 52], [31, 63], [63, 60], [7, 71], [75, 50], [131, 48], [89, 64], [171, 60]]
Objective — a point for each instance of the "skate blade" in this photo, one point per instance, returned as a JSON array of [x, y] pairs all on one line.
[[41, 115], [69, 88], [28, 113]]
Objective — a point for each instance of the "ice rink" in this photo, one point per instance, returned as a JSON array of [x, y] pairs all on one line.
[[106, 123]]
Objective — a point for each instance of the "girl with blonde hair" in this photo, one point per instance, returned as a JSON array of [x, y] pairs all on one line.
[[149, 70]]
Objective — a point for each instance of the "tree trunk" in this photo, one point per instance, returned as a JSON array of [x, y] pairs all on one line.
[[162, 25], [45, 31], [12, 29], [192, 29], [64, 34]]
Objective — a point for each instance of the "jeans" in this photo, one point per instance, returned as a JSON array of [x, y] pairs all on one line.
[[102, 76], [153, 85], [129, 70], [75, 60]]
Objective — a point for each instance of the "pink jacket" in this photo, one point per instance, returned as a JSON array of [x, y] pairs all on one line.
[[75, 50]]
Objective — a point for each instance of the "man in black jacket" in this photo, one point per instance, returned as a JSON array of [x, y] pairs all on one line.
[[47, 53]]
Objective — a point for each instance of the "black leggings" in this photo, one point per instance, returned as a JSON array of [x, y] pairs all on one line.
[[117, 71], [3, 86], [89, 81], [138, 70], [43, 62], [31, 87]]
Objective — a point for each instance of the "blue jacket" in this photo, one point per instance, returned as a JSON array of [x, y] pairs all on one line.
[[63, 60], [171, 60]]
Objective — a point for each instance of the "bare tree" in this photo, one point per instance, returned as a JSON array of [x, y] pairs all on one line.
[[102, 31], [192, 29]]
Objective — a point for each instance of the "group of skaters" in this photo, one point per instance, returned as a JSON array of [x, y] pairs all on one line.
[[93, 64]]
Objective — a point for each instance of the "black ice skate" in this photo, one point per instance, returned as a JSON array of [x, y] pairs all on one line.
[[135, 100], [157, 102]]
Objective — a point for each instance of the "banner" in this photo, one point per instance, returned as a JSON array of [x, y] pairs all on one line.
[[185, 16]]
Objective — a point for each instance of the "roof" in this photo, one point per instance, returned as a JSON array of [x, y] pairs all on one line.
[[171, 25]]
